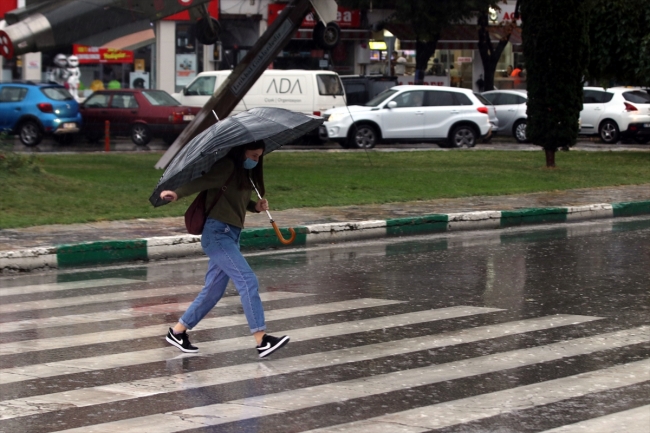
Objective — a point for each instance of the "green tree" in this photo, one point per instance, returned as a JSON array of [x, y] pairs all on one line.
[[556, 47], [426, 18], [619, 35]]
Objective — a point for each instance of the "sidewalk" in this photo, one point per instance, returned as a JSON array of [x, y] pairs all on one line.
[[117, 241]]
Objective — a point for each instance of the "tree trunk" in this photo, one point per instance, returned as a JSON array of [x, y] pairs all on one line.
[[489, 54], [423, 52], [550, 158]]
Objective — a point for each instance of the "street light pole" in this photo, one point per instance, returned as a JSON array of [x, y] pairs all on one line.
[[245, 74]]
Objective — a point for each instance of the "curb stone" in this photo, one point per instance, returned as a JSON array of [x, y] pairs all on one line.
[[156, 248]]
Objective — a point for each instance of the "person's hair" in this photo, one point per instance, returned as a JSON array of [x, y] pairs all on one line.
[[238, 155]]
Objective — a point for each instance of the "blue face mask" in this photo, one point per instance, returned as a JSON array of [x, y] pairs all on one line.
[[249, 164]]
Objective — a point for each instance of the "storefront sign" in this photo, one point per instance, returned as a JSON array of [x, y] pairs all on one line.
[[345, 18], [185, 69], [7, 6], [464, 60], [89, 55], [213, 9]]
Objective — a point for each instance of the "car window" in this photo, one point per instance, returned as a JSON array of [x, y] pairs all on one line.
[[123, 100], [329, 84], [409, 99], [380, 98], [462, 99], [596, 97], [637, 96], [160, 97], [57, 93], [12, 94], [97, 100], [492, 97], [203, 86], [440, 98], [483, 100], [510, 99]]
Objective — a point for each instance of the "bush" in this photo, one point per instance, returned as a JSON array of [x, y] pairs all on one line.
[[12, 162]]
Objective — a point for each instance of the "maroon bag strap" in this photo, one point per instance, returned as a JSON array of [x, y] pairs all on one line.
[[219, 194]]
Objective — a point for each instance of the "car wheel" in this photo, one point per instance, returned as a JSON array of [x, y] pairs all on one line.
[[30, 133], [140, 134], [609, 132], [519, 131], [463, 136], [642, 140], [363, 137], [327, 36]]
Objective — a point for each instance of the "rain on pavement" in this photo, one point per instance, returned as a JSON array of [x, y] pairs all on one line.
[[517, 330]]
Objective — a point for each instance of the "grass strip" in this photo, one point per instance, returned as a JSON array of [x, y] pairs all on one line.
[[93, 187]]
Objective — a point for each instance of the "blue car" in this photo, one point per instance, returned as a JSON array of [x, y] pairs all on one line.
[[34, 110]]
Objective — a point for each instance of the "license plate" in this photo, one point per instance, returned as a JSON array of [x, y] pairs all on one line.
[[69, 125], [646, 125], [188, 117]]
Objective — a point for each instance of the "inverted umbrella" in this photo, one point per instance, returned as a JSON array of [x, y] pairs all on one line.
[[274, 126]]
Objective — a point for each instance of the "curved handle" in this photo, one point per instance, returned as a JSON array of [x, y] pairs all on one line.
[[279, 235]]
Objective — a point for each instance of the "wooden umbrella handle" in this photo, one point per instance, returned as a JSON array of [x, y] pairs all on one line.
[[279, 235]]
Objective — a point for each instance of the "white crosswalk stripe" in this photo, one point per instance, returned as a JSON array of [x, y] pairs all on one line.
[[217, 376], [208, 348], [71, 285], [354, 329], [496, 403], [156, 330], [253, 407]]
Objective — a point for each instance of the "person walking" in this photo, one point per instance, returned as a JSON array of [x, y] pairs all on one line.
[[232, 176]]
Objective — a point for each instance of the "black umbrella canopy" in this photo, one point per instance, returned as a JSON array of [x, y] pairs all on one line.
[[274, 126]]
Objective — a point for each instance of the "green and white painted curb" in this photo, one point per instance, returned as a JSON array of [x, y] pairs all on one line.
[[109, 252]]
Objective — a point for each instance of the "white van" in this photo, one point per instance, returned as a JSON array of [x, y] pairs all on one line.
[[308, 92]]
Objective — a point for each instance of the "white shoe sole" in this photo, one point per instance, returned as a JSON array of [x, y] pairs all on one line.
[[173, 343], [282, 343]]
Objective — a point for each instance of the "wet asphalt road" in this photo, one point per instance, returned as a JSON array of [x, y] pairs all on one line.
[[518, 330]]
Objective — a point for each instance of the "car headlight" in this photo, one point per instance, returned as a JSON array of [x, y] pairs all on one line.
[[337, 117]]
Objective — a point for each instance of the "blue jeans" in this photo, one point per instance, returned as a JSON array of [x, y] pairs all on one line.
[[220, 242]]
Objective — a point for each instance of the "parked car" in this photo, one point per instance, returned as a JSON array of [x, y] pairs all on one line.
[[616, 113], [141, 114], [510, 108], [360, 89], [451, 117], [35, 110], [492, 115]]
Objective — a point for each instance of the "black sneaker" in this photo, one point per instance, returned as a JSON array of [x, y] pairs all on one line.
[[182, 341], [270, 344]]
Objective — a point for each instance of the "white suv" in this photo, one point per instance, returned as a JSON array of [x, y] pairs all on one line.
[[615, 113], [450, 116]]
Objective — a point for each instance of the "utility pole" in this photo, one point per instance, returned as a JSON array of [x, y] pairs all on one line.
[[245, 74]]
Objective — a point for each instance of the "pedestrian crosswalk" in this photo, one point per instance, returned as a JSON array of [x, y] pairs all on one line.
[[357, 364]]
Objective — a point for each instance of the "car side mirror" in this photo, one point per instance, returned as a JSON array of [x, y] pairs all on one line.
[[391, 104]]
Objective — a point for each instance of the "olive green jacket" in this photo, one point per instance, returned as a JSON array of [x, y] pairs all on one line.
[[233, 204]]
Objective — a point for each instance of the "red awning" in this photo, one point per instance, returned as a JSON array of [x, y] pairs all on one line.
[[456, 37]]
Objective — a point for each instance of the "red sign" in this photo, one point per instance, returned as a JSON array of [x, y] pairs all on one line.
[[345, 18], [6, 6], [213, 8], [89, 55]]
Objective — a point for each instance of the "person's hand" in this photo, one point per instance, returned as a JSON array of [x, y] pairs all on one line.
[[169, 196], [262, 205]]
